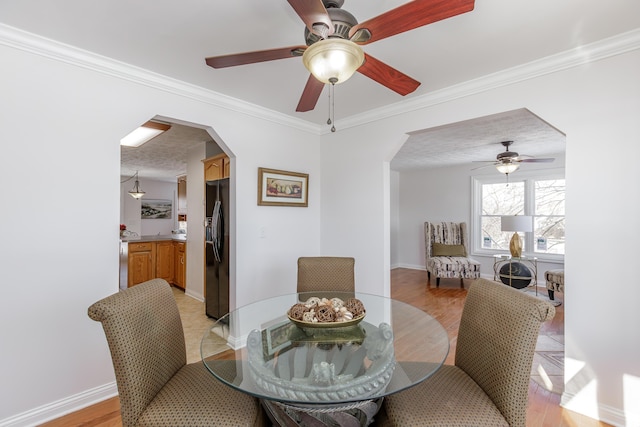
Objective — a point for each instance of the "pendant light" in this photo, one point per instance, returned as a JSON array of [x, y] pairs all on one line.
[[136, 192]]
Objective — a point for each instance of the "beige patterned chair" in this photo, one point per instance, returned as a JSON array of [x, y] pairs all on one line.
[[489, 383], [156, 386], [326, 274], [446, 252]]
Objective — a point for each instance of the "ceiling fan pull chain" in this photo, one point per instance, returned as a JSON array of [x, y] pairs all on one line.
[[329, 103], [332, 106]]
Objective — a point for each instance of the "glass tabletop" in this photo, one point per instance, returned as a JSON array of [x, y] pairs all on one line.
[[258, 349]]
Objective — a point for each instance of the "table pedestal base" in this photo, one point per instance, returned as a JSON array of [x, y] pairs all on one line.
[[357, 414]]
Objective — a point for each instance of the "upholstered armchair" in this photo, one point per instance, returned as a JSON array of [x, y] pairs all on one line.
[[446, 252], [156, 386], [489, 383], [326, 274]]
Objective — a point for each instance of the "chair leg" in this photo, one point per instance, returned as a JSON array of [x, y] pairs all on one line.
[[462, 283], [437, 282], [550, 294]]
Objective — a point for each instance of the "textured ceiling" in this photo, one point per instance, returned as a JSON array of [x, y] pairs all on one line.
[[165, 156], [479, 140]]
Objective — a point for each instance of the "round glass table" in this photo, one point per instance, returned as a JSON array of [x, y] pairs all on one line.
[[317, 373]]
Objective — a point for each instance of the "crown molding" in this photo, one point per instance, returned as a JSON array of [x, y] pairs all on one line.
[[581, 55], [32, 43], [605, 48]]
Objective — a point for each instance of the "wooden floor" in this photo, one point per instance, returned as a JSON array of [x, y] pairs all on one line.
[[445, 304]]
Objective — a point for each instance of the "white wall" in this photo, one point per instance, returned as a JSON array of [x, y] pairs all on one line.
[[64, 214], [445, 194], [195, 222], [597, 105], [394, 215]]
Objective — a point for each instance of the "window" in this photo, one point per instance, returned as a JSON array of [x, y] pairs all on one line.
[[540, 195]]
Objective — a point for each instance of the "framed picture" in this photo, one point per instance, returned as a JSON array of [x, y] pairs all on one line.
[[282, 188], [156, 209], [276, 337]]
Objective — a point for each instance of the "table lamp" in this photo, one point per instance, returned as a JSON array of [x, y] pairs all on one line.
[[516, 223]]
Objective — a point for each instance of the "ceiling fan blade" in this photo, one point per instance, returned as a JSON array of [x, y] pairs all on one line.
[[310, 94], [411, 15], [253, 57], [484, 166], [312, 13], [387, 76], [534, 160]]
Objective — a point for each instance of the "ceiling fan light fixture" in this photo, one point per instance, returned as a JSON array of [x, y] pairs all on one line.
[[507, 168], [333, 60]]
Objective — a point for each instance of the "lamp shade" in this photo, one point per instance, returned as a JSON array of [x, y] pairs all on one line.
[[333, 60], [522, 223]]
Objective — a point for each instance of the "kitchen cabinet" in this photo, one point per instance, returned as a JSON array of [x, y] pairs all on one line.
[[180, 265], [216, 167], [164, 260], [142, 262]]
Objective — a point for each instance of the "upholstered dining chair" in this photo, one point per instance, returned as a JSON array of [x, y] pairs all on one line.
[[326, 274], [489, 383], [156, 386], [446, 252]]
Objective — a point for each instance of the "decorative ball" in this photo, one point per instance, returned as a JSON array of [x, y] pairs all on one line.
[[325, 314], [297, 311], [515, 274], [355, 306]]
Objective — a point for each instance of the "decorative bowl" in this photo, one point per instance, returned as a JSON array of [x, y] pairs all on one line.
[[327, 325]]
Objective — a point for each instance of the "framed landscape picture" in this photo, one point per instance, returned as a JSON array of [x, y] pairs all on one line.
[[156, 209], [282, 188]]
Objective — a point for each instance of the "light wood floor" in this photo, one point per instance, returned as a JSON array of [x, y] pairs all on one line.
[[445, 304]]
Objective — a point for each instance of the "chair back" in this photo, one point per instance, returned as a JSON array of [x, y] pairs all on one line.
[[326, 274], [146, 340], [496, 341], [447, 233]]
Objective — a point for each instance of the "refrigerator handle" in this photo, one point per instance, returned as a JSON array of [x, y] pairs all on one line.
[[216, 230]]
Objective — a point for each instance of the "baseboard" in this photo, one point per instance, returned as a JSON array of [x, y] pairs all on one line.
[[606, 414], [57, 409], [409, 266], [194, 295]]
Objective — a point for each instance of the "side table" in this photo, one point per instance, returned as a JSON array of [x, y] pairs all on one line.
[[530, 262]]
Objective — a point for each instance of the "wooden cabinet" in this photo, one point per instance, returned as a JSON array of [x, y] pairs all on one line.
[[141, 263], [216, 167], [164, 260], [180, 265]]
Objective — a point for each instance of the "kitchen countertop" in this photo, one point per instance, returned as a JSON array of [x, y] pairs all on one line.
[[155, 238]]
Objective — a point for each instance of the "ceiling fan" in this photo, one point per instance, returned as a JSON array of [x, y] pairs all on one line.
[[509, 161], [325, 21]]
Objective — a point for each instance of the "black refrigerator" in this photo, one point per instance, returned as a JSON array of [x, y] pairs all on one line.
[[217, 248]]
